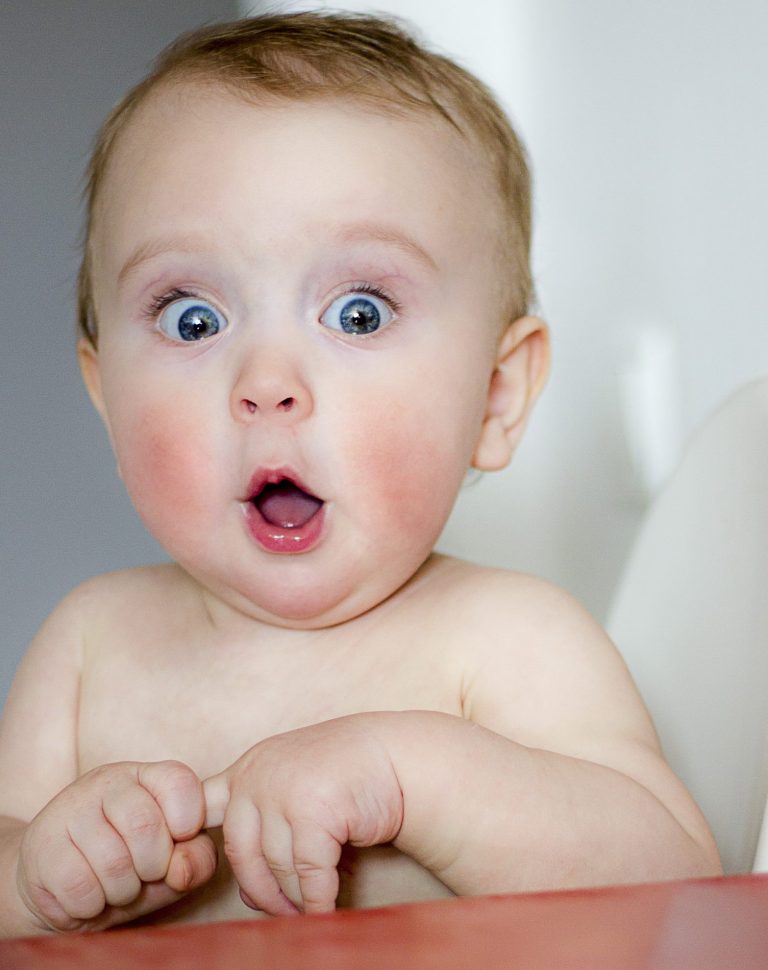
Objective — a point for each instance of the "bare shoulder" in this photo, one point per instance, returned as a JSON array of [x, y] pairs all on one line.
[[130, 588], [39, 725], [537, 666], [541, 671], [157, 602], [38, 728], [510, 610]]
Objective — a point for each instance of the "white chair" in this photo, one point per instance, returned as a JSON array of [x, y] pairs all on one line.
[[691, 619]]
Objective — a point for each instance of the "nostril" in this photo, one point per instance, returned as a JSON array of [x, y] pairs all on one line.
[[287, 404]]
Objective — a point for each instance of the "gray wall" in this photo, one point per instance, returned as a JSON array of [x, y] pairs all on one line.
[[63, 514]]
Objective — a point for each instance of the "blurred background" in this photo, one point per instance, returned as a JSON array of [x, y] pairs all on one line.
[[646, 128]]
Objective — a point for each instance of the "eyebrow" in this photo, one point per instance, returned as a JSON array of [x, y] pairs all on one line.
[[375, 232], [354, 232], [156, 247]]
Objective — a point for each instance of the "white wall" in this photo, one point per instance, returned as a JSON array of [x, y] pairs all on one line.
[[646, 126]]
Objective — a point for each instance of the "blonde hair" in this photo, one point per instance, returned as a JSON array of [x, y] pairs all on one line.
[[360, 58]]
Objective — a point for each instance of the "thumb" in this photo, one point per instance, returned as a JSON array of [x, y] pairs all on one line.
[[192, 863], [216, 793]]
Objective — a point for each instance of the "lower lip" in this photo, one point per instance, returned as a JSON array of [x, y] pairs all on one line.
[[273, 538]]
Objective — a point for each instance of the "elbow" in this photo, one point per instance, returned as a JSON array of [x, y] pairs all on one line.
[[702, 859], [710, 864]]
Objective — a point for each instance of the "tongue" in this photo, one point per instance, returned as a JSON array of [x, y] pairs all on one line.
[[286, 505]]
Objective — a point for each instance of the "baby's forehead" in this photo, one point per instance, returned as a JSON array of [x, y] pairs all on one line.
[[296, 186], [169, 119], [172, 99]]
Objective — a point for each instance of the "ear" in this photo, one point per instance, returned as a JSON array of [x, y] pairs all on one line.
[[88, 358], [522, 367]]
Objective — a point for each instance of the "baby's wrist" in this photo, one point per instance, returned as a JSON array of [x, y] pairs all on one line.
[[17, 917]]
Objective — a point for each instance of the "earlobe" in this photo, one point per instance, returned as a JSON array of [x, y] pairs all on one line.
[[522, 367], [88, 358]]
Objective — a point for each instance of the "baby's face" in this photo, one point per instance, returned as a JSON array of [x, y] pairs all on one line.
[[299, 310]]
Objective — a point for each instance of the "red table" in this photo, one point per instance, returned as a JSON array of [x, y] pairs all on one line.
[[700, 924]]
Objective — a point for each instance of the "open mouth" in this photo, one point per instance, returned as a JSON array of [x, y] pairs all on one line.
[[286, 504], [282, 515]]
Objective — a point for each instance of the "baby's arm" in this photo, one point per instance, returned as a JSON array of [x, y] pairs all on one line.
[[552, 779], [91, 851], [564, 784]]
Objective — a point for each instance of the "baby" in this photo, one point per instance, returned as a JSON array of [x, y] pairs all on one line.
[[303, 304]]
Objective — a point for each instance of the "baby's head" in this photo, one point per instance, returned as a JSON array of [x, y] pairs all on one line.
[[303, 305], [359, 60]]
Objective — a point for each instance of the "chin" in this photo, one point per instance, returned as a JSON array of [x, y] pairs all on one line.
[[299, 606], [299, 593]]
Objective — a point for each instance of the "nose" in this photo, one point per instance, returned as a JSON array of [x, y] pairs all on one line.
[[271, 387]]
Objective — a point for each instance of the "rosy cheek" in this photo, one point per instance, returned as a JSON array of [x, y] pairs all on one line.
[[410, 477], [163, 467]]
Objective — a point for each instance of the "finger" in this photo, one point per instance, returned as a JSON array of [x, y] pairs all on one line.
[[216, 793], [242, 845], [69, 878], [192, 863], [49, 911], [107, 855], [277, 847], [154, 896], [316, 856], [134, 813], [179, 793]]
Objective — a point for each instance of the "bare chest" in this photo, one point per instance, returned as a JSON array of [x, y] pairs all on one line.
[[207, 707]]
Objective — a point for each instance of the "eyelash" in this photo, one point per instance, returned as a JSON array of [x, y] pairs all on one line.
[[152, 310], [374, 290]]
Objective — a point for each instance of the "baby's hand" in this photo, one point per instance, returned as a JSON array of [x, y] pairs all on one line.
[[122, 841], [290, 803]]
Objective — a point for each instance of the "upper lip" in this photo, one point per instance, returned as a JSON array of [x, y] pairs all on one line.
[[273, 476]]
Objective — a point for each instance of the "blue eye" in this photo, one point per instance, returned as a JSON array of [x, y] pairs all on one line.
[[190, 319], [357, 313]]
